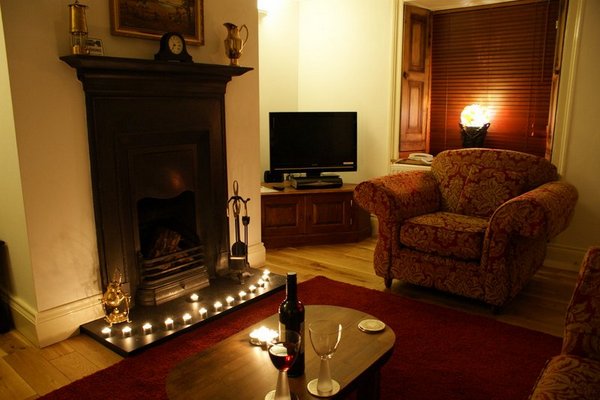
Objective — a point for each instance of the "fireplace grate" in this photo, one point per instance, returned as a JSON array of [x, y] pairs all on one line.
[[167, 277]]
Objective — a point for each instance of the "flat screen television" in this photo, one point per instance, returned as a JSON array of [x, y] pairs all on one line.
[[313, 142]]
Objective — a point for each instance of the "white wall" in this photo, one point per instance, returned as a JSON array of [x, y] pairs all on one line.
[[345, 64], [62, 281], [13, 229], [278, 32], [333, 55], [579, 144]]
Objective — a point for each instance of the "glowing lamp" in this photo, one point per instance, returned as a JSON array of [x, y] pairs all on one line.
[[474, 123]]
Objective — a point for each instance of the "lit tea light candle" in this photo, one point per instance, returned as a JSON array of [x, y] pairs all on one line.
[[147, 328], [218, 305], [252, 288], [187, 318], [242, 295], [169, 324], [262, 336], [126, 331], [265, 275], [203, 312], [260, 283], [229, 301], [194, 297], [106, 331]]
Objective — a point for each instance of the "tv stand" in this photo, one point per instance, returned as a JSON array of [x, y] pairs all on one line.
[[317, 182], [292, 217]]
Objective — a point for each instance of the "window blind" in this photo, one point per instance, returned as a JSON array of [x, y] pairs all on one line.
[[501, 57]]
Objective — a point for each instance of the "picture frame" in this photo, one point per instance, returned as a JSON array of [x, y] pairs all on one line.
[[150, 19], [95, 46]]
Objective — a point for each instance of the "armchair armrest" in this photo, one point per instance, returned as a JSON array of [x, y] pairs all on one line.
[[394, 198], [582, 324], [544, 211]]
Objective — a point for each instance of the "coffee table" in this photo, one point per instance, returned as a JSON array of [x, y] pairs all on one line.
[[235, 369]]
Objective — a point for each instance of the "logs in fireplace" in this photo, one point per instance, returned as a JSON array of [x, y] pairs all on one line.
[[159, 171]]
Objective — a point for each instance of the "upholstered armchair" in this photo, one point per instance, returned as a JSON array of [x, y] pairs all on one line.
[[575, 373], [476, 224]]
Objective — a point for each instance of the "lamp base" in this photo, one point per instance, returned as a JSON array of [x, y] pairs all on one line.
[[473, 136]]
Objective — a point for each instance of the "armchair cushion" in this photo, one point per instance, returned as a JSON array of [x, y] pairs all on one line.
[[487, 188], [445, 234]]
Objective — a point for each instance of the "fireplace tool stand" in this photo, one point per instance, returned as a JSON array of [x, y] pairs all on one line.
[[239, 268]]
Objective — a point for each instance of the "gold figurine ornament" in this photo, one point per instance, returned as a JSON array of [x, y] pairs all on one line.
[[116, 302]]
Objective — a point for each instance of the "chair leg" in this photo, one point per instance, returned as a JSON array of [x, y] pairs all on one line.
[[388, 282]]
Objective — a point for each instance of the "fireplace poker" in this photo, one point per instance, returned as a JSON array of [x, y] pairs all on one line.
[[238, 256]]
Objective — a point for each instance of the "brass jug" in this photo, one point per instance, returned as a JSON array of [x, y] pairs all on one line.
[[234, 43]]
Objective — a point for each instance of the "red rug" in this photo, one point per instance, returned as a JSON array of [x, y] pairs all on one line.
[[439, 353]]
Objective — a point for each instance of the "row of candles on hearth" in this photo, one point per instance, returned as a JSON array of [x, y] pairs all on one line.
[[186, 318]]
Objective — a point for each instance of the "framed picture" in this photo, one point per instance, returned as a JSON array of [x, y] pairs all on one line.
[[150, 19]]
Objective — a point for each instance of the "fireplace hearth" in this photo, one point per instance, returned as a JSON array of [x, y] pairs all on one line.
[[152, 325]]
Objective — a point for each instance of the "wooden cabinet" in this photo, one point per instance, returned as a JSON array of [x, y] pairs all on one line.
[[312, 216]]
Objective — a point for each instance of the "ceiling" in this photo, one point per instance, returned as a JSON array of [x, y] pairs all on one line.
[[435, 5]]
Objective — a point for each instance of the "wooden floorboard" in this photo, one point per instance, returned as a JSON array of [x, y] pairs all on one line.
[[27, 372]]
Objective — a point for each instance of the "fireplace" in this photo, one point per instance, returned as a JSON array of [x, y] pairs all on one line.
[[159, 172], [159, 178]]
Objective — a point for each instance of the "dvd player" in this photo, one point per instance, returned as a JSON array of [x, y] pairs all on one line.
[[324, 182]]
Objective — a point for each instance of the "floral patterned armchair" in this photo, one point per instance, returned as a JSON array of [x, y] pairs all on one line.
[[575, 373], [476, 224]]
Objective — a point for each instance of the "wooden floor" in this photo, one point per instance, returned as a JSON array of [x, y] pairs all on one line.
[[27, 372]]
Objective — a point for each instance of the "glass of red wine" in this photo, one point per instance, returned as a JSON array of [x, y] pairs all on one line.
[[283, 353]]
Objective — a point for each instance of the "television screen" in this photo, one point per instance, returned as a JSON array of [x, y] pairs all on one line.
[[312, 142]]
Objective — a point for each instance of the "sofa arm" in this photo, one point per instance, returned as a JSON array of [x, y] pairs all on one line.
[[582, 324], [394, 198], [544, 211]]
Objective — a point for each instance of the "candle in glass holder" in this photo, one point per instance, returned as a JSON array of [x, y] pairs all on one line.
[[260, 283], [147, 328], [169, 324], [194, 297], [187, 318], [229, 301], [218, 305], [106, 331], [126, 331], [203, 312], [252, 288], [265, 275], [242, 295], [262, 336]]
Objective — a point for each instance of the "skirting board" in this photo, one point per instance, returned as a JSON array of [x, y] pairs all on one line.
[[557, 255], [52, 326]]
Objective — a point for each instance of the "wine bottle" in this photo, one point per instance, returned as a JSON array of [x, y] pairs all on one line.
[[291, 317]]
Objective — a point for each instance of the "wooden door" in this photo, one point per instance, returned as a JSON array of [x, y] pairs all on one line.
[[415, 81]]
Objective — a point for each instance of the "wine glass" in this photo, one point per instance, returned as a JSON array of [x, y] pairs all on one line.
[[283, 353], [325, 336]]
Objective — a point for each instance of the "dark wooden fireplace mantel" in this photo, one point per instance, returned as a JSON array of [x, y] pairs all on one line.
[[91, 69], [156, 131]]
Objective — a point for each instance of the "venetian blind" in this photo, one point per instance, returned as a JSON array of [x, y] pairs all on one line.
[[501, 57]]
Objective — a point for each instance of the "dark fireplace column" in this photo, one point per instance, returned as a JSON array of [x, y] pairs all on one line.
[[159, 172]]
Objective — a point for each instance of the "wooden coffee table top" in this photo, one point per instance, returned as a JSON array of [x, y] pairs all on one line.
[[235, 369]]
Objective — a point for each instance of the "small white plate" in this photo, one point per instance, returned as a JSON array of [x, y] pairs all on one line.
[[371, 325]]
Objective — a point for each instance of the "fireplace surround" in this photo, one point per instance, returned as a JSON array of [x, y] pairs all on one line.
[[156, 134]]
